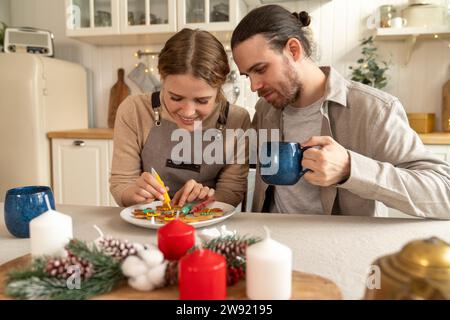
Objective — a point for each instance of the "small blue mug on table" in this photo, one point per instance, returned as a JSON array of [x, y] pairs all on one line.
[[22, 205], [281, 162]]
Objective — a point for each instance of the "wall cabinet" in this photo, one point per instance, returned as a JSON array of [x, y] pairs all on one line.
[[81, 170], [92, 17], [213, 15], [137, 22], [147, 16]]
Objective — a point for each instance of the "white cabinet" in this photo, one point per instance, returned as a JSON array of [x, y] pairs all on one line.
[[442, 152], [81, 170], [211, 15], [112, 202], [138, 22], [92, 17], [147, 16]]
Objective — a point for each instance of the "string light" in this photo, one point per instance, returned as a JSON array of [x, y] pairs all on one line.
[[149, 65]]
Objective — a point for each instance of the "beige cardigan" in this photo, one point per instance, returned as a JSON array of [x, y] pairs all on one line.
[[389, 163], [134, 121]]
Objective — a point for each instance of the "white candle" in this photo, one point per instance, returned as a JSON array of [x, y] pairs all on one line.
[[49, 233], [269, 270]]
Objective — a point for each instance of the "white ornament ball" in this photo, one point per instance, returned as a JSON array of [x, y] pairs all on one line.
[[138, 246], [141, 283], [133, 267], [156, 275], [152, 257]]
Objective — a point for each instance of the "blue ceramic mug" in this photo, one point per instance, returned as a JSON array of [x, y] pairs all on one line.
[[22, 205], [281, 162]]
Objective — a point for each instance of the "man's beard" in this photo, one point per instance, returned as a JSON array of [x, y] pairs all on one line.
[[290, 89]]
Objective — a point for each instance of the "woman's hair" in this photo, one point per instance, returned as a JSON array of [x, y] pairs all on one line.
[[277, 25], [195, 52]]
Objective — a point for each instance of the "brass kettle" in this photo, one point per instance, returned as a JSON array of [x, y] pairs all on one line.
[[420, 271]]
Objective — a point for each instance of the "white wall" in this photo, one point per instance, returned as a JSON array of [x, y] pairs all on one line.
[[5, 11], [338, 25]]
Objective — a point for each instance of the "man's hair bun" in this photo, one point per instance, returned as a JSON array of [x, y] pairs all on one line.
[[303, 17]]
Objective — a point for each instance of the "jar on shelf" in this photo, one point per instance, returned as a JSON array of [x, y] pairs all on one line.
[[387, 12]]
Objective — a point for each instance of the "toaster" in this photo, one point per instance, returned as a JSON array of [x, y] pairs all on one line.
[[28, 40]]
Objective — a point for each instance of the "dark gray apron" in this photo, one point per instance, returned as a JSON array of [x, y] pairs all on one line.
[[158, 147]]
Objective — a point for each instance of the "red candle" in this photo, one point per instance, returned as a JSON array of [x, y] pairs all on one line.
[[202, 276], [175, 239]]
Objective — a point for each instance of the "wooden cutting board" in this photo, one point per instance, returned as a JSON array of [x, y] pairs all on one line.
[[118, 93], [304, 287], [446, 107]]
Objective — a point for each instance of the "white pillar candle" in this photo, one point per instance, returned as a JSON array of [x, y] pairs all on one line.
[[269, 270], [49, 233]]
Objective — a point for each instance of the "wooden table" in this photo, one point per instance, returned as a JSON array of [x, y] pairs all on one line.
[[304, 287], [338, 248]]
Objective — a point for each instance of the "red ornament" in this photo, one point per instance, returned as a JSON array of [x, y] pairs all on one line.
[[175, 239], [202, 275]]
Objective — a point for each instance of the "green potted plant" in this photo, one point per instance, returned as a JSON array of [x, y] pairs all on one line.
[[369, 70]]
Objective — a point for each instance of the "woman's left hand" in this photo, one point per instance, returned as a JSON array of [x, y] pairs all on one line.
[[191, 191]]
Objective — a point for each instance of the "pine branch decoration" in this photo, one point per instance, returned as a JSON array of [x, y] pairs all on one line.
[[34, 283]]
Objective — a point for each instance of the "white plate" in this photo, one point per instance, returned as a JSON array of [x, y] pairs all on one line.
[[127, 215]]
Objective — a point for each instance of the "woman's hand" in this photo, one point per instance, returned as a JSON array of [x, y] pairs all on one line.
[[145, 190], [191, 191]]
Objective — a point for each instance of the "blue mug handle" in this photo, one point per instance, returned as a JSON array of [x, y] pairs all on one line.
[[302, 173]]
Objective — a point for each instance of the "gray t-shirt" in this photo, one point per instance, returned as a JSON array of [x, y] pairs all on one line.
[[300, 124]]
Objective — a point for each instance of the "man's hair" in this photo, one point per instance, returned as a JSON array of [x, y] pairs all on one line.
[[276, 24]]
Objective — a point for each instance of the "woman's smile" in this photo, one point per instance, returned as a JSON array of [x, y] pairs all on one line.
[[188, 120]]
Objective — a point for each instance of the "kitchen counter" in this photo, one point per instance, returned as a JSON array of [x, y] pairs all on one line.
[[340, 248], [91, 133], [435, 137], [107, 133]]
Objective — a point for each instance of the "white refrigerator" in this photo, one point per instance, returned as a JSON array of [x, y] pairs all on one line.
[[37, 95]]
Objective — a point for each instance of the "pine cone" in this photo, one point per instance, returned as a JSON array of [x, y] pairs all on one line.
[[232, 248], [171, 275], [116, 248], [64, 267], [234, 275]]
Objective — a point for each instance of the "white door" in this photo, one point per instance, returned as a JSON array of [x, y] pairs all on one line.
[[112, 202], [81, 171]]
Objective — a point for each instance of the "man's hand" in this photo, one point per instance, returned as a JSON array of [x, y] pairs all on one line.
[[330, 165]]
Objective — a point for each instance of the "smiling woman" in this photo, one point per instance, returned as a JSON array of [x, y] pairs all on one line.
[[193, 66]]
